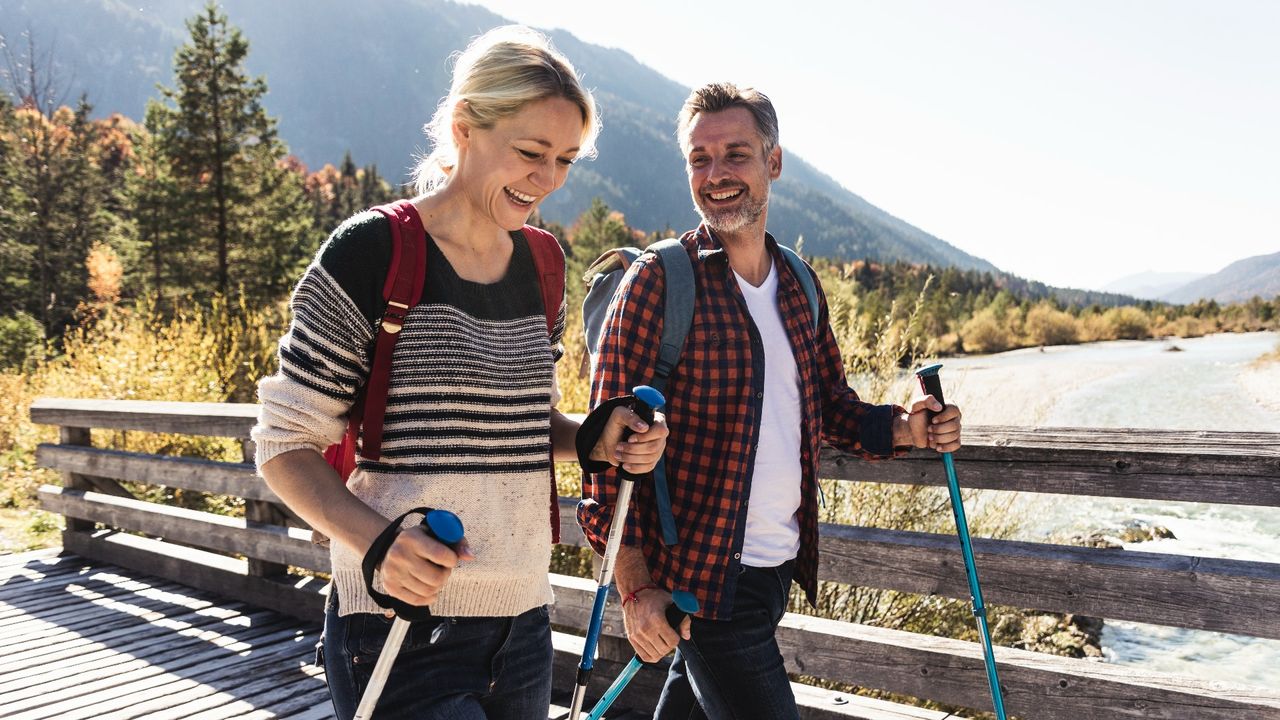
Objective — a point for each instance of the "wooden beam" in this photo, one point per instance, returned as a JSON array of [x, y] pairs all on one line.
[[219, 478], [299, 597], [1193, 592], [205, 530], [951, 671], [186, 418], [1213, 467]]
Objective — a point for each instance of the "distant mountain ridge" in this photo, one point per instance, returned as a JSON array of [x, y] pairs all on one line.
[[1241, 280], [1151, 285], [366, 80]]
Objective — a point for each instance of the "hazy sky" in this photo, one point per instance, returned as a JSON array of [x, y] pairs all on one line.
[[1072, 142]]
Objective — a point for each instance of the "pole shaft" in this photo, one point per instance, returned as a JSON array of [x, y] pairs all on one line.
[[387, 658]]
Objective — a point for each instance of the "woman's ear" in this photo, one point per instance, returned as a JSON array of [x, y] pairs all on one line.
[[461, 130]]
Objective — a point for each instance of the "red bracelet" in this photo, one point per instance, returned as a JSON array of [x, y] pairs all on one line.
[[631, 596]]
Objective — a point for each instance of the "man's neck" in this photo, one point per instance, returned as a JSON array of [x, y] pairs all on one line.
[[748, 254]]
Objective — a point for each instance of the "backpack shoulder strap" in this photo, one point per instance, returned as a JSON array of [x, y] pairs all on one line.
[[402, 290], [801, 270], [677, 312], [677, 319], [548, 262]]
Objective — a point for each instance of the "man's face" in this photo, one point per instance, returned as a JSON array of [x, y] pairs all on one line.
[[729, 170]]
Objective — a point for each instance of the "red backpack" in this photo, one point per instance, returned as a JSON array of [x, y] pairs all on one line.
[[402, 291]]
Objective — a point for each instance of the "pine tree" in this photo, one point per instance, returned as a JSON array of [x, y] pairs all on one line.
[[244, 217]]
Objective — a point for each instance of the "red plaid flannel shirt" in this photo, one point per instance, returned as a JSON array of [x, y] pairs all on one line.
[[714, 400]]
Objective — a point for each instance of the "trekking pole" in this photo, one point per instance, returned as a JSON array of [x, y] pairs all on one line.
[[649, 400], [682, 603], [931, 384], [439, 524]]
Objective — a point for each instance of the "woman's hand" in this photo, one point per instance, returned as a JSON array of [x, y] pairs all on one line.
[[417, 566]]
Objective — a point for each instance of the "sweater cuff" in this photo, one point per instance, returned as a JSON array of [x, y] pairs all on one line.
[[265, 450]]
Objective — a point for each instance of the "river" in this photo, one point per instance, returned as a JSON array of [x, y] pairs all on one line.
[[1209, 383]]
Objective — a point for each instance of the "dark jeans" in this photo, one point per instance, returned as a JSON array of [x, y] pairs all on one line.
[[733, 668], [466, 668]]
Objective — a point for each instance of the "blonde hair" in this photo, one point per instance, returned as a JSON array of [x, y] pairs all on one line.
[[494, 77]]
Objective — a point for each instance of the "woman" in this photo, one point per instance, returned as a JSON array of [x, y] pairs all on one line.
[[471, 405]]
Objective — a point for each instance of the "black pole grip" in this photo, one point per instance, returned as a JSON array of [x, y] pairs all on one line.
[[378, 551], [675, 616], [931, 384]]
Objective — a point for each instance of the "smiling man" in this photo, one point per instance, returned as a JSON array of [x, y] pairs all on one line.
[[758, 387]]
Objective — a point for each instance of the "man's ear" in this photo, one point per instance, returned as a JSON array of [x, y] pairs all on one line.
[[775, 162]]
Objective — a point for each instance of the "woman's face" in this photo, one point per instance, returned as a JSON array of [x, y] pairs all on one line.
[[508, 169]]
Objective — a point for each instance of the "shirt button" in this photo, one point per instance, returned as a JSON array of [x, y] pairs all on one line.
[[737, 556], [759, 395]]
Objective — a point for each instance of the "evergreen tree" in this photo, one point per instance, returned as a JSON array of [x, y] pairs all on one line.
[[244, 217]]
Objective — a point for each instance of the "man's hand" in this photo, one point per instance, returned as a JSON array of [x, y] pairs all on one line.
[[942, 433], [638, 453], [646, 623], [417, 566]]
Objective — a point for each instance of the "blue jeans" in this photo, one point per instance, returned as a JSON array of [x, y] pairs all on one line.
[[733, 668], [464, 668]]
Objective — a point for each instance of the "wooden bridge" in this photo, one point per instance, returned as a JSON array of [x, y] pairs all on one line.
[[160, 611]]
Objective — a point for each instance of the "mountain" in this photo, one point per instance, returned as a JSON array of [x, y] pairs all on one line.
[[1151, 285], [365, 77], [1258, 275]]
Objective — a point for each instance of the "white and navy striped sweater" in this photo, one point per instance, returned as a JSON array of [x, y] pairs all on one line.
[[467, 424]]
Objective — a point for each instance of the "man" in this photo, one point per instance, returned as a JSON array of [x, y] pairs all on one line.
[[755, 393]]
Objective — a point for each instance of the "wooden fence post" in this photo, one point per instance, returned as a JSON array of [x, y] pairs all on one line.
[[261, 512], [75, 481]]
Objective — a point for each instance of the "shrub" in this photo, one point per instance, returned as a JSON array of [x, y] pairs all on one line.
[[21, 338], [1047, 325], [985, 333], [1127, 323]]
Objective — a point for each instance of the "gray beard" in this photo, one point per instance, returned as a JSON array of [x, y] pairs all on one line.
[[734, 219]]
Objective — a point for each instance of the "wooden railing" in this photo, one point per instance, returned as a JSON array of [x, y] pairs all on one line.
[[248, 558]]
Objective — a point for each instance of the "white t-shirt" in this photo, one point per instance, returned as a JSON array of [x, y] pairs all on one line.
[[773, 530]]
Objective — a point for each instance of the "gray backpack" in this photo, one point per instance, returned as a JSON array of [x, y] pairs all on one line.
[[603, 278]]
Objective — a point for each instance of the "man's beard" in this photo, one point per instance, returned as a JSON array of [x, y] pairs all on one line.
[[735, 218]]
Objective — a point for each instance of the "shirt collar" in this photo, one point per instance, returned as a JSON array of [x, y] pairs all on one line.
[[710, 247]]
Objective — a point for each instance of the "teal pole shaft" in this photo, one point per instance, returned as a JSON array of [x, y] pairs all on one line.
[[619, 684], [975, 591]]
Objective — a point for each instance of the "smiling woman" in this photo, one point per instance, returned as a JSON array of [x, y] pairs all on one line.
[[470, 421]]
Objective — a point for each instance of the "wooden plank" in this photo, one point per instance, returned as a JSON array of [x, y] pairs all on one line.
[[952, 672], [131, 681], [302, 598], [186, 418], [219, 478], [117, 678], [202, 529], [1045, 687], [1234, 596], [1193, 592], [1093, 463]]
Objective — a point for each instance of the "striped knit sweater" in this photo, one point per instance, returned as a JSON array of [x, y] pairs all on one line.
[[467, 424]]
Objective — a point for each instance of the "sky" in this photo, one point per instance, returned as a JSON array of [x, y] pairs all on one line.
[[1071, 142]]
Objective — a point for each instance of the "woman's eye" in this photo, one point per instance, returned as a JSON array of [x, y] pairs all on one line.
[[566, 162], [528, 155]]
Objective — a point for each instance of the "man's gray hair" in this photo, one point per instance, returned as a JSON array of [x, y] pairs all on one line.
[[715, 97]]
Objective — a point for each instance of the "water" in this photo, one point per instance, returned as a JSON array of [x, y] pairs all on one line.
[[1209, 385]]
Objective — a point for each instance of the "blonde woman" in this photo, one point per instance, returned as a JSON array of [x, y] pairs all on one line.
[[470, 412]]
